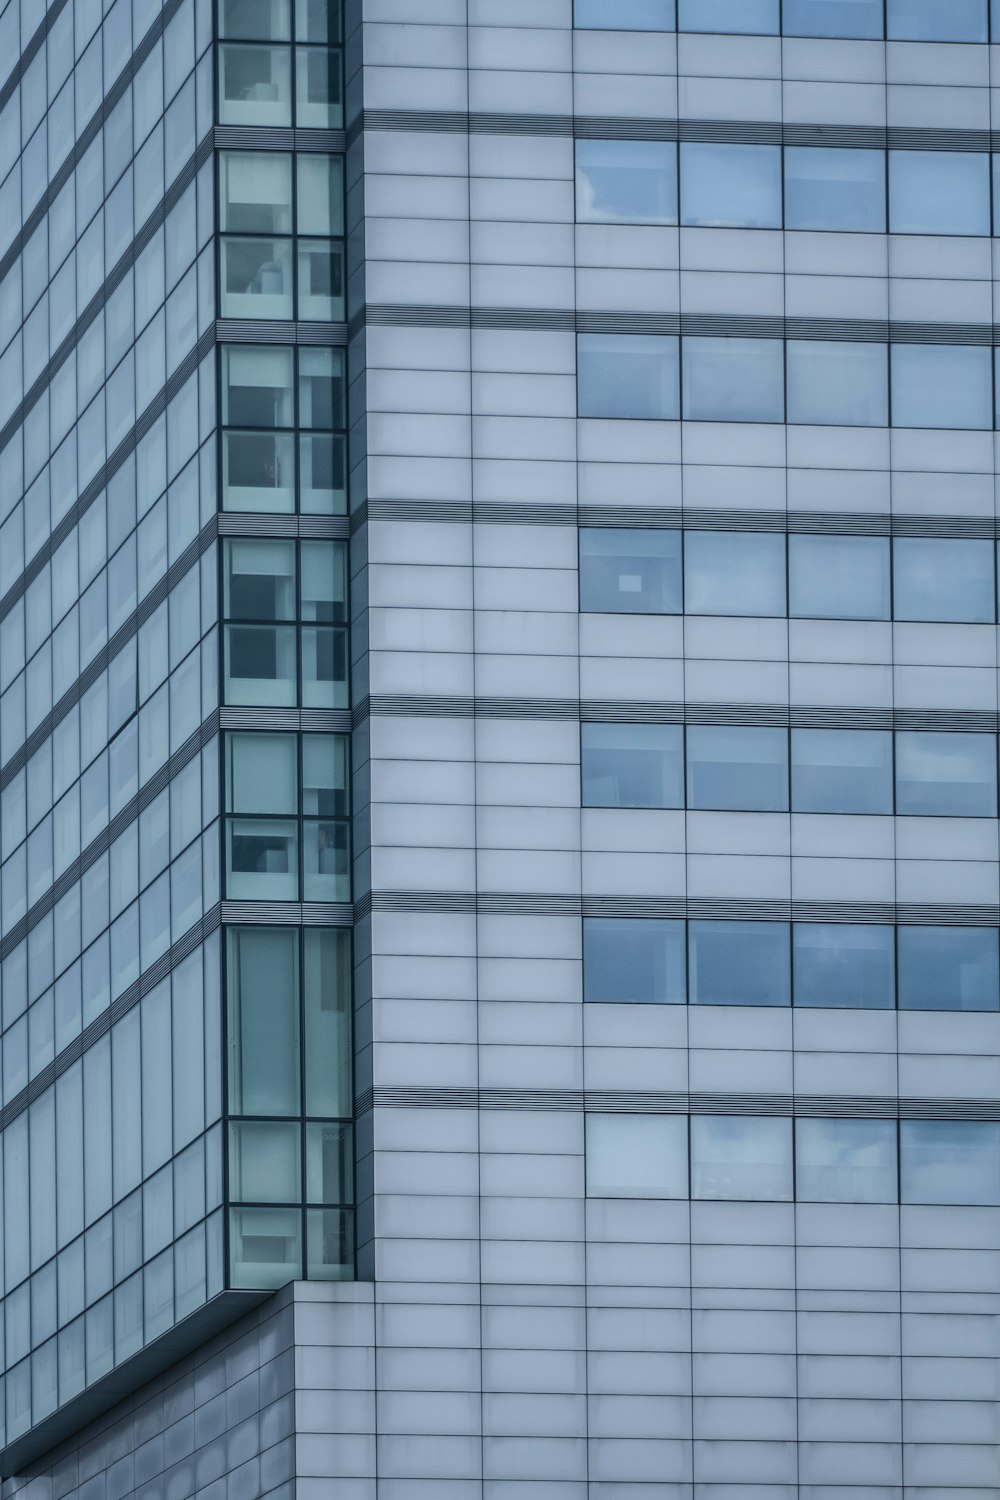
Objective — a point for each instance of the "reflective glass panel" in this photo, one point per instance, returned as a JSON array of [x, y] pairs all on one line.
[[937, 385], [318, 101], [255, 20], [838, 577], [730, 186], [838, 385], [737, 768], [830, 188], [741, 1157], [843, 966], [734, 573], [840, 18], [637, 1156], [263, 1026], [624, 15], [948, 968], [946, 774], [266, 1246], [738, 963], [329, 1163], [330, 1244], [632, 765], [943, 578], [754, 16], [939, 192], [264, 1159], [633, 961], [320, 208], [949, 1161], [733, 380], [626, 182], [327, 1006], [937, 20], [255, 192], [256, 277], [628, 375], [845, 1161], [630, 572], [841, 771], [255, 85]]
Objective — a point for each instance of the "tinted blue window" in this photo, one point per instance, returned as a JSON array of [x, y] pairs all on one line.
[[626, 182], [946, 775], [943, 578], [949, 1161], [630, 572], [843, 966], [937, 385], [632, 765], [838, 577], [860, 18], [734, 380], [737, 769], [626, 375], [939, 192], [838, 385], [841, 771], [624, 15], [735, 186], [741, 1157], [948, 968], [937, 20], [734, 573], [634, 961], [738, 963], [845, 1161], [758, 17], [828, 188]]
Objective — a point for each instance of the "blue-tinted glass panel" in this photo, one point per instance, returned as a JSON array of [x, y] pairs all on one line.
[[839, 18], [844, 967], [628, 961], [935, 385], [738, 963], [838, 385], [755, 17], [628, 375], [845, 1161], [630, 572], [731, 186], [939, 192], [637, 1156], [841, 771], [943, 578], [946, 775], [632, 765], [838, 577], [740, 1157], [949, 1161], [937, 20], [829, 188], [734, 573], [624, 15], [737, 769], [626, 182], [948, 968], [734, 380]]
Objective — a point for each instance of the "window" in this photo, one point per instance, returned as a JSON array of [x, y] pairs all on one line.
[[754, 16], [730, 186], [830, 188], [946, 775], [943, 578], [841, 771], [263, 1024], [741, 1157], [740, 769], [836, 18], [632, 765], [949, 1161], [844, 967], [627, 961], [838, 577], [738, 963], [937, 20], [626, 182], [838, 385], [628, 375], [938, 385], [257, 79], [630, 572], [948, 968], [624, 15], [734, 573], [258, 592], [939, 192], [734, 380], [845, 1161], [637, 1156]]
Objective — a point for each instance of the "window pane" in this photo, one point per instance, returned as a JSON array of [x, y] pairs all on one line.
[[255, 85], [939, 192], [266, 1246], [949, 1161], [738, 186], [841, 771], [738, 963], [262, 859], [946, 775], [826, 188], [256, 277], [633, 961], [624, 15], [948, 968], [838, 577], [318, 102], [937, 20], [263, 1021], [256, 20], [734, 573], [257, 387], [626, 182], [327, 994], [330, 1234], [630, 572], [838, 385], [632, 765], [756, 16], [737, 769], [840, 966], [628, 375], [637, 1156], [737, 1156], [943, 578], [845, 1161], [329, 1163], [861, 18], [259, 579], [261, 773], [264, 1161], [734, 380], [255, 192], [940, 386], [320, 194]]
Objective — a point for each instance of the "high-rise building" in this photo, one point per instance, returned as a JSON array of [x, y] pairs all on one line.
[[499, 707]]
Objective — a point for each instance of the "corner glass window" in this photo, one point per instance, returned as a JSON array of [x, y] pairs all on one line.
[[255, 84], [265, 1246], [630, 572], [637, 1156], [838, 385], [628, 375], [845, 1161], [937, 20], [939, 192], [739, 963], [838, 577], [844, 967], [759, 17], [734, 380], [948, 968], [320, 208], [737, 769], [949, 1161], [255, 191], [626, 182], [632, 765], [727, 186], [946, 775], [734, 573], [939, 385], [257, 20], [841, 771], [943, 578], [633, 961], [830, 188], [263, 1022], [262, 841], [835, 18], [624, 15], [258, 462], [741, 1157], [258, 592]]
